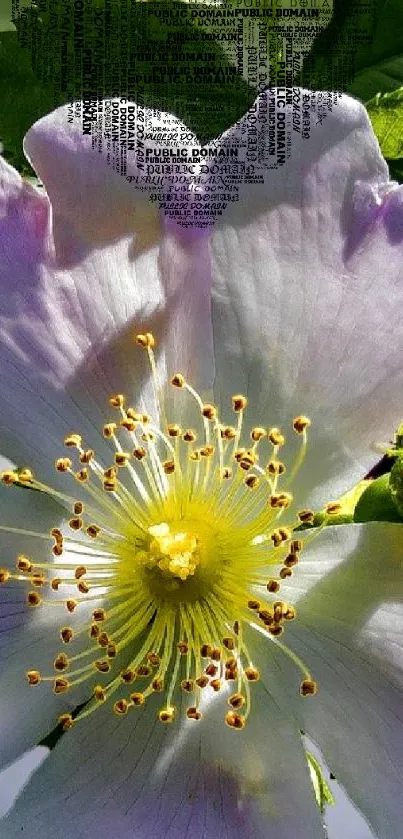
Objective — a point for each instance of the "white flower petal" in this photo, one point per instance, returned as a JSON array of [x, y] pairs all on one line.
[[307, 295], [193, 779], [350, 575]]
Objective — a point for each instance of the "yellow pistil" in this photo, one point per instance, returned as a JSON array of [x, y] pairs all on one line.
[[176, 543]]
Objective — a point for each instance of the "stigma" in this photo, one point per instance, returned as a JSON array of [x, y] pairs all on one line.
[[168, 552]]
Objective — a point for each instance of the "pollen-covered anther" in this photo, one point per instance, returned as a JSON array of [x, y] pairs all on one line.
[[153, 659], [66, 634], [228, 433], [94, 631], [187, 685], [202, 681], [76, 523], [112, 650], [193, 713], [236, 701], [148, 436], [333, 508], [178, 380], [247, 460], [209, 411], [109, 485], [206, 650], [235, 720], [8, 477], [216, 685], [38, 579], [139, 453], [25, 476], [275, 467], [117, 401], [238, 454], [33, 599], [143, 671], [167, 715], [24, 564], [189, 436], [195, 456], [121, 707], [92, 531], [99, 693], [145, 340], [306, 516], [258, 434], [78, 508], [276, 437], [290, 560], [281, 501], [226, 473], [103, 639], [61, 662], [103, 665], [289, 613], [272, 586], [300, 424], [87, 456], [279, 536], [61, 685], [33, 677], [82, 475], [207, 451], [253, 604], [109, 429], [285, 572], [128, 423], [71, 605], [211, 670], [296, 546], [308, 687], [63, 464], [157, 684], [4, 575], [183, 647], [229, 643], [252, 673], [266, 617], [73, 441], [174, 430], [168, 467], [99, 614], [83, 587], [128, 676], [66, 721], [55, 583], [122, 458], [239, 402], [276, 629], [137, 698]]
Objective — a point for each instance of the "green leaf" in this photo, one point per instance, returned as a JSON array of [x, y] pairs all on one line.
[[386, 114], [376, 503]]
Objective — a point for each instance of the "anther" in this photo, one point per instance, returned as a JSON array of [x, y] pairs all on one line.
[[226, 474], [102, 665], [76, 523], [117, 401], [275, 467], [216, 685], [239, 402], [143, 671], [24, 564], [308, 687], [66, 721], [247, 460], [60, 685], [229, 433], [169, 467], [55, 583], [66, 634], [285, 572], [276, 437], [178, 380], [252, 481], [252, 673], [229, 643], [193, 713], [253, 604], [112, 650], [87, 456], [99, 693], [167, 715], [122, 458], [207, 451], [63, 464], [153, 659], [128, 423], [71, 604], [25, 476], [80, 571], [73, 441], [103, 639], [235, 720], [187, 685], [189, 435], [139, 452], [157, 684], [272, 586], [333, 508], [306, 516], [211, 670], [202, 681], [296, 545], [4, 575], [258, 434], [146, 341], [33, 677], [236, 700], [195, 456], [137, 698], [93, 530], [290, 560], [61, 662], [174, 430], [121, 707], [300, 424], [183, 647], [99, 615], [82, 475], [128, 676], [78, 508], [83, 587], [38, 579], [94, 631], [209, 411], [33, 599], [8, 477], [206, 650], [109, 430], [276, 629]]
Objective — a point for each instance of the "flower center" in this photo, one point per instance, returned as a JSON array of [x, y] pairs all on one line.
[[175, 547]]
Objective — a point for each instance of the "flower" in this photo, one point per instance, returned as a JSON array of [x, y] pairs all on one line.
[[283, 312]]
